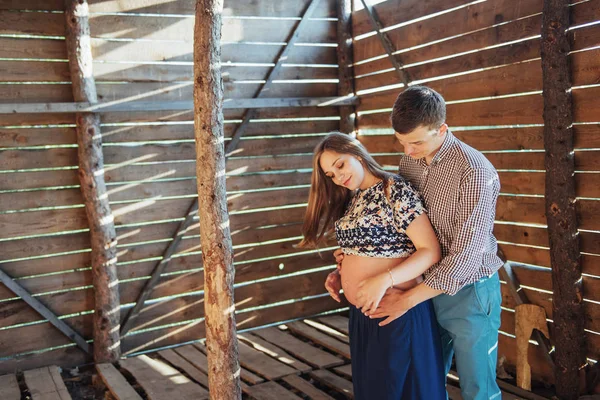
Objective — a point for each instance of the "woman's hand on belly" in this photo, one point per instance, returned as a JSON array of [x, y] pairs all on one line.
[[371, 291]]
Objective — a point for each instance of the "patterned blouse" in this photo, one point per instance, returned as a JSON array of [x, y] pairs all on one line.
[[374, 225]]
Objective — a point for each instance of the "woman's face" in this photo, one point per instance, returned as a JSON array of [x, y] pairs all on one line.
[[344, 169]]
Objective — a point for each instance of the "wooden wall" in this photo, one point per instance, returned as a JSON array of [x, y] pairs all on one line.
[[143, 51], [484, 58]]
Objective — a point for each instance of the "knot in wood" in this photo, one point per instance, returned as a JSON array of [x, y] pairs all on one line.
[[554, 209]]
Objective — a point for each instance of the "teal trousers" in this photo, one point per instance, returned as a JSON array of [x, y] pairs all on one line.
[[468, 325]]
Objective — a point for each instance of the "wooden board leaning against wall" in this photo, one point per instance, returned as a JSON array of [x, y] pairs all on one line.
[[487, 66]]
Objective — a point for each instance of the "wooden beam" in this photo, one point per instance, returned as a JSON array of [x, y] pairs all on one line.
[[118, 106], [91, 178], [386, 43], [561, 213], [345, 61], [215, 237], [281, 57], [44, 311]]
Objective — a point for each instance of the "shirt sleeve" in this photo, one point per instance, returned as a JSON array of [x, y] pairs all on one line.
[[406, 204], [473, 228]]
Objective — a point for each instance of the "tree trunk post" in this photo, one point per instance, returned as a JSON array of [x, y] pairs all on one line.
[[215, 235], [91, 179], [561, 213], [345, 61]]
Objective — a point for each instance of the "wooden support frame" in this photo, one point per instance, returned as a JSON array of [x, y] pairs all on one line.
[[231, 146], [507, 275], [91, 178], [117, 106], [345, 60], [561, 212], [215, 237], [44, 311], [386, 43]]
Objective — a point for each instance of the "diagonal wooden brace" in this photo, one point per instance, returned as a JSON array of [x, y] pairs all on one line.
[[44, 311]]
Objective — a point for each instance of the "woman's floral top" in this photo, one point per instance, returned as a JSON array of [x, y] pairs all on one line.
[[374, 225]]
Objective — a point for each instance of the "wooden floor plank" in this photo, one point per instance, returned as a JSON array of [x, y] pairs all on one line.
[[333, 381], [345, 370], [161, 381], [46, 384], [179, 362], [337, 322], [116, 383], [262, 364], [194, 355], [300, 328], [342, 337], [299, 349], [9, 388], [306, 387], [274, 351], [271, 391]]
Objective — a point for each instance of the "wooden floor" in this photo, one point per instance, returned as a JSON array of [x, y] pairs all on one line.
[[307, 359]]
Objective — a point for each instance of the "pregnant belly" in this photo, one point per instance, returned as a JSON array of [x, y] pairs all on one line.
[[355, 269]]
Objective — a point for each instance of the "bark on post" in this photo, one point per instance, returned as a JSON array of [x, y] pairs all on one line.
[[217, 253], [561, 214], [345, 61], [91, 179]]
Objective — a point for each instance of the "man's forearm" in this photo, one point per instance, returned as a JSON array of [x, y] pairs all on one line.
[[421, 293]]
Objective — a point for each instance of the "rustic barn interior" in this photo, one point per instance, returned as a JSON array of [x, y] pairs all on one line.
[[292, 71]]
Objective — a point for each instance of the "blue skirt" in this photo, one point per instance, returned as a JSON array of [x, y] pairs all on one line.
[[399, 361]]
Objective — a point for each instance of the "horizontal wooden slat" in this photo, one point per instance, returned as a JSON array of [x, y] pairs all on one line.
[[239, 8], [115, 71], [34, 71], [46, 5], [145, 51], [32, 48], [181, 28], [15, 22], [38, 92]]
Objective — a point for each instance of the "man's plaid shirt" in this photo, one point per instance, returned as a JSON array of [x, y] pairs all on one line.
[[460, 188]]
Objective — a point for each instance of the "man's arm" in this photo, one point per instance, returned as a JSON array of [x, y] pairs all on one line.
[[474, 224]]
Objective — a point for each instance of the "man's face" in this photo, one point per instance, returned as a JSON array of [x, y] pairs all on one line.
[[423, 142]]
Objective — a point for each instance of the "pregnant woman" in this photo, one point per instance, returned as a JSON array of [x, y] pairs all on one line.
[[388, 241]]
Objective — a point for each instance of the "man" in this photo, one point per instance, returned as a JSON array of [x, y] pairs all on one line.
[[460, 188]]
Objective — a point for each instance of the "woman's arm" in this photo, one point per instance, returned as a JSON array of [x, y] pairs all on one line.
[[428, 252]]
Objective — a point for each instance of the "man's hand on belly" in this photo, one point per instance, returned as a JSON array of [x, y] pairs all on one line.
[[397, 302], [394, 304]]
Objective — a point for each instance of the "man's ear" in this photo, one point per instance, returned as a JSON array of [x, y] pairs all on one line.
[[443, 129]]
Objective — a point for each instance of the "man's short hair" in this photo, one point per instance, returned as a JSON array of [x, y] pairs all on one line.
[[416, 106]]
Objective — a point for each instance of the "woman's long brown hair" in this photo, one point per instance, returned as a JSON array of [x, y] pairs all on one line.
[[326, 200]]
